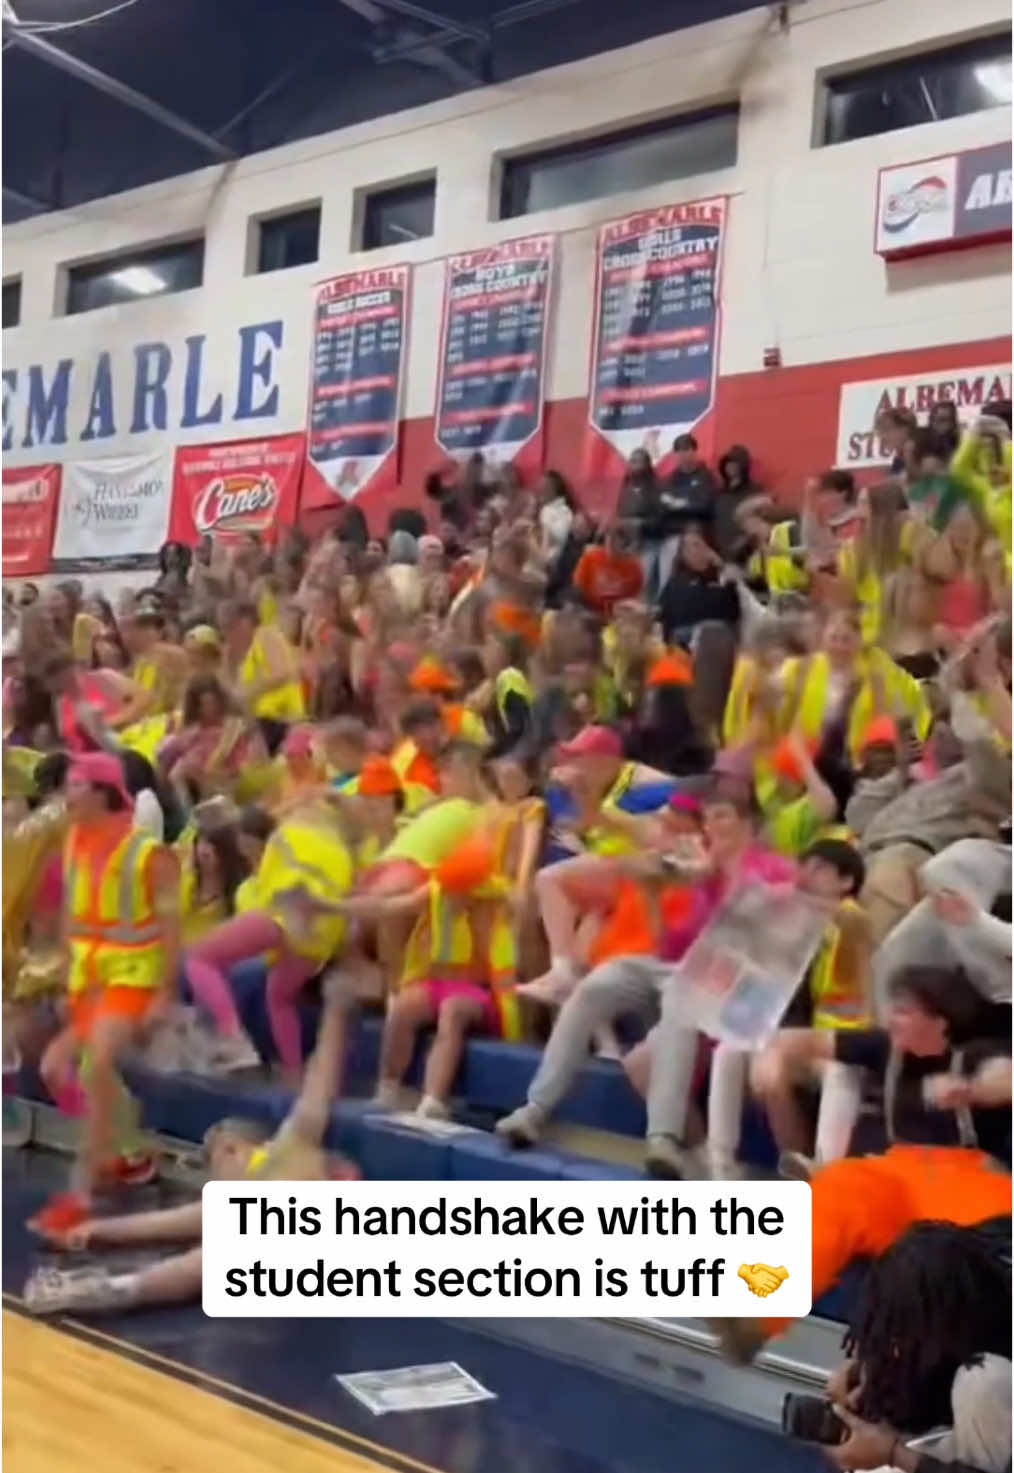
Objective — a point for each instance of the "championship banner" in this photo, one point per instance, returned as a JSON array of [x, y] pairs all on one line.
[[493, 351], [656, 331], [241, 486], [741, 972], [114, 513], [360, 331], [970, 390], [30, 497]]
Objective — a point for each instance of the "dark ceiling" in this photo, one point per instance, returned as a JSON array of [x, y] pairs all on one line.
[[251, 74]]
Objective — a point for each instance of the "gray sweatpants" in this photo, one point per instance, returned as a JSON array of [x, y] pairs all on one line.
[[647, 988]]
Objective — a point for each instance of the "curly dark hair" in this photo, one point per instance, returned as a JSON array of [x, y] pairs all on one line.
[[937, 1300]]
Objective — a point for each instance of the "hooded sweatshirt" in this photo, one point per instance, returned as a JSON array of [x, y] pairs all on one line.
[[726, 533]]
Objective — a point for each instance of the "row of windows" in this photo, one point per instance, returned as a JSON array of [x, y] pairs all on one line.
[[946, 83]]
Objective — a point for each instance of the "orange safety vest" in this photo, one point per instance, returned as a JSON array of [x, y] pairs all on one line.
[[114, 936]]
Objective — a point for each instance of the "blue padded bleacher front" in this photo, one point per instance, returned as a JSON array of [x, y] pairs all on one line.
[[494, 1076]]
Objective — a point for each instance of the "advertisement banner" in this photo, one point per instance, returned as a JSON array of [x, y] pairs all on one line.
[[656, 332], [357, 372], [971, 390], [113, 512], [492, 375], [241, 486], [31, 494], [956, 199]]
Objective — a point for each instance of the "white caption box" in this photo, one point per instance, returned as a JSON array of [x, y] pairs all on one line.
[[432, 1249]]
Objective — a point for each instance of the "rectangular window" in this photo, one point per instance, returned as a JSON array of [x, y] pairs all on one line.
[[288, 240], [652, 153], [12, 301], [146, 273], [403, 213], [917, 89]]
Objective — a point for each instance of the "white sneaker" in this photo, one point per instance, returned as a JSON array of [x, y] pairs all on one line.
[[430, 1108], [667, 1160], [523, 1126], [722, 1166], [77, 1291], [387, 1095], [233, 1052], [795, 1166]]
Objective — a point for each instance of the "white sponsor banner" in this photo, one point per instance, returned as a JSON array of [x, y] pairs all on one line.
[[972, 390], [115, 510]]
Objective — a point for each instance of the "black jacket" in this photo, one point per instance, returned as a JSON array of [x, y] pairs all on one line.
[[689, 598], [688, 496]]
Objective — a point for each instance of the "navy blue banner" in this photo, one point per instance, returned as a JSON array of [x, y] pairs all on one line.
[[655, 346], [493, 350], [359, 340]]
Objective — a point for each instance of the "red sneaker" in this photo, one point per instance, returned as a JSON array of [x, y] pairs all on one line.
[[130, 1171], [61, 1213]]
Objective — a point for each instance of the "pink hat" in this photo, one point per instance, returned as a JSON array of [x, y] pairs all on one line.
[[99, 768], [684, 803], [592, 741]]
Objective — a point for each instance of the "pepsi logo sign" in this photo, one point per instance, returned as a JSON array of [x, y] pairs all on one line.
[[241, 502], [905, 206]]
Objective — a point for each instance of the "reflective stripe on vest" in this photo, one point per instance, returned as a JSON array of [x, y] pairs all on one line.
[[117, 932]]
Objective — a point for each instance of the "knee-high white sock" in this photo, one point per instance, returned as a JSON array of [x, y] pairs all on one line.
[[840, 1097], [725, 1099]]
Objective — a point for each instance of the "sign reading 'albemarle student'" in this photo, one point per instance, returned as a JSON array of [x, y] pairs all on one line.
[[972, 390]]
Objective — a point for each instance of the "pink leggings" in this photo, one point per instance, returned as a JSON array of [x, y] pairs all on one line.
[[238, 940]]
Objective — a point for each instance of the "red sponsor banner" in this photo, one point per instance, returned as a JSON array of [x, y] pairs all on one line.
[[31, 494], [240, 486]]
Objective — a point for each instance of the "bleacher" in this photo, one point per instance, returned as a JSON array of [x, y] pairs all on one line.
[[598, 1134]]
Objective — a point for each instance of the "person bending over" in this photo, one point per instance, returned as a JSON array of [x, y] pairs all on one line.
[[236, 1149], [944, 1064]]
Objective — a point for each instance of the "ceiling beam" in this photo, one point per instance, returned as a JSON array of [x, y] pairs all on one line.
[[423, 50], [515, 15], [44, 51], [26, 201], [434, 18]]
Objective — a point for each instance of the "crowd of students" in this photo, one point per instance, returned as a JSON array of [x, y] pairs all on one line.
[[496, 773]]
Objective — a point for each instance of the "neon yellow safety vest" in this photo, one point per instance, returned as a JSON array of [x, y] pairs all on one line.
[[114, 936], [806, 700], [839, 1001], [285, 702], [511, 682], [309, 853]]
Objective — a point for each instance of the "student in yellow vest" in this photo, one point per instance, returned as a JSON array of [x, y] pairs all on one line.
[[235, 1149], [307, 849], [264, 669], [798, 805], [458, 971], [121, 899], [843, 682], [876, 554], [423, 736], [835, 993], [754, 688], [158, 674]]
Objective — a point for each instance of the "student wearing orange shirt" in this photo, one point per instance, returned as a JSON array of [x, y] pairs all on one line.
[[608, 574]]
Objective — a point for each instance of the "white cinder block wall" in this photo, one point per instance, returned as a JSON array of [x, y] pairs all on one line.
[[799, 266]]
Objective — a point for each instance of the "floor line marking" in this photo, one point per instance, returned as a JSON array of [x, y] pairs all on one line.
[[193, 1374]]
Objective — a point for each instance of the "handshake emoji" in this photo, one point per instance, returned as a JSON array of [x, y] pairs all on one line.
[[761, 1279]]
